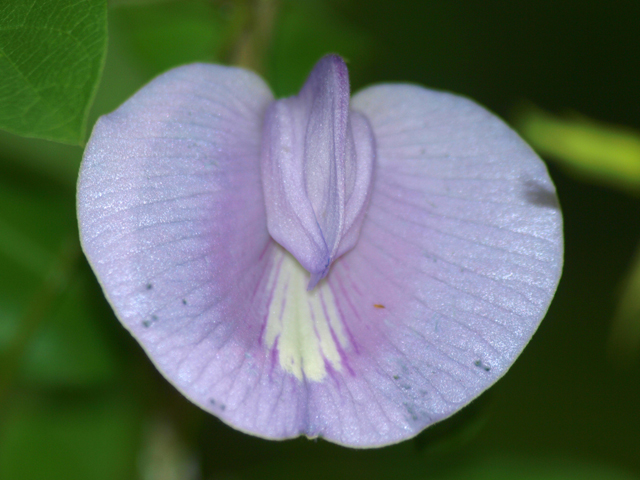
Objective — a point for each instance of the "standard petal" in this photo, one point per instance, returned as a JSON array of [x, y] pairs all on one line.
[[459, 256], [172, 221], [457, 260]]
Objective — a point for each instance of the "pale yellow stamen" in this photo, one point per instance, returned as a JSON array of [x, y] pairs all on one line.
[[302, 321]]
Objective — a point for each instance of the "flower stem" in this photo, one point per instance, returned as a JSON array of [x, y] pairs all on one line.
[[252, 26]]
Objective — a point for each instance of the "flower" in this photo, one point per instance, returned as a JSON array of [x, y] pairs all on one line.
[[355, 269]]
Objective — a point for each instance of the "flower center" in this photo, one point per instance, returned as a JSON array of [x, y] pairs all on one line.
[[305, 326], [317, 164]]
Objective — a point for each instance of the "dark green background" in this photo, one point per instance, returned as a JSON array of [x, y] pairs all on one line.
[[78, 399]]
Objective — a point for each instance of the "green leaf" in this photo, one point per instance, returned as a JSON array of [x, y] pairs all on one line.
[[595, 151], [51, 57]]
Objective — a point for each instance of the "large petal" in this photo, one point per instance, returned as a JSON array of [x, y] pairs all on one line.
[[172, 220], [457, 262]]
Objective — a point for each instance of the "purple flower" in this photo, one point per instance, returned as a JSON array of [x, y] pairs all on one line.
[[355, 269]]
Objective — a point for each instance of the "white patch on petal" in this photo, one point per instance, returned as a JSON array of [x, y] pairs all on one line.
[[303, 325]]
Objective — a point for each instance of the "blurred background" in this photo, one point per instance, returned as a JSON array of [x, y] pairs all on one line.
[[80, 400]]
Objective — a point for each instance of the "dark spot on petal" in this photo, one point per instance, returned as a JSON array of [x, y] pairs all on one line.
[[212, 401], [430, 256], [146, 324], [396, 377], [411, 411], [154, 318], [540, 195], [479, 364], [149, 286], [222, 406], [184, 301]]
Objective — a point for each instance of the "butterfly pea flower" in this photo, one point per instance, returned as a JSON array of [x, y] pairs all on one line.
[[352, 268]]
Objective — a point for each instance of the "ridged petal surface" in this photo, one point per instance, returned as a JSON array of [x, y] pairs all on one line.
[[457, 261]]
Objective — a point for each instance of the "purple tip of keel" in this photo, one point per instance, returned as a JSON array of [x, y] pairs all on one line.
[[316, 277]]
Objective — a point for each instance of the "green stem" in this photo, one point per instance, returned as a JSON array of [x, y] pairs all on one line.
[[624, 339], [251, 29]]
